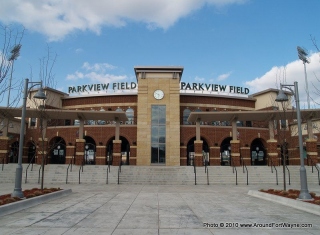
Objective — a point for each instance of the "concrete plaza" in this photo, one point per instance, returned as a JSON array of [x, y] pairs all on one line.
[[158, 209]]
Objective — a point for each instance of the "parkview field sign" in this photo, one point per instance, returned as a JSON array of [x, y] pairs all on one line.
[[183, 86]]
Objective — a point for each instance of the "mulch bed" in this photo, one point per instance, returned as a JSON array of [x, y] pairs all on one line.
[[292, 193], [28, 193]]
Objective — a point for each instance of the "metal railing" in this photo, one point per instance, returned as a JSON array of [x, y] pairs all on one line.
[[288, 174], [39, 174], [234, 169], [70, 164], [315, 165], [3, 162], [195, 174], [107, 180], [272, 165], [206, 170], [119, 171], [31, 163], [244, 166], [81, 168], [108, 171]]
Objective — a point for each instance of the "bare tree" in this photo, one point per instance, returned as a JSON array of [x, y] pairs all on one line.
[[10, 51], [46, 75], [315, 86]]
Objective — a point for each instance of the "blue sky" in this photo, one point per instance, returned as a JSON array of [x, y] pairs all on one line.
[[230, 42]]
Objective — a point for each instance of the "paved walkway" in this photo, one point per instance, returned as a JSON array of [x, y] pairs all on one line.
[[147, 209]]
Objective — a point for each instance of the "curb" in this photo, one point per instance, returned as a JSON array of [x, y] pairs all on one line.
[[26, 203], [300, 205]]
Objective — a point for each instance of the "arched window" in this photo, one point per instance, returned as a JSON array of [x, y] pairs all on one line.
[[101, 122], [91, 122], [186, 114], [130, 116], [199, 110], [118, 110]]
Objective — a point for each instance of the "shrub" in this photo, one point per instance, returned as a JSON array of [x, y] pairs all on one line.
[[45, 191], [30, 195], [317, 202], [295, 191], [313, 194], [9, 200], [292, 195], [38, 193], [284, 193]]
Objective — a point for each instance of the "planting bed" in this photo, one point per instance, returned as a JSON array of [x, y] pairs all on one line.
[[293, 194], [28, 193]]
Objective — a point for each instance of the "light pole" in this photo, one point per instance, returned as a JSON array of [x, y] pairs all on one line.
[[303, 57], [284, 154], [282, 97], [17, 192]]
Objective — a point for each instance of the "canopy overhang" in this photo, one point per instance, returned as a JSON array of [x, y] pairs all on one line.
[[12, 113], [263, 115]]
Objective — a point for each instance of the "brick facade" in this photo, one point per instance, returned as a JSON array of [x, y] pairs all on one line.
[[212, 135]]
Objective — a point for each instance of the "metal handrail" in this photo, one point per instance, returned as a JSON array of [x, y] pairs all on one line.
[[107, 181], [195, 174], [288, 174], [31, 162], [234, 169], [207, 172], [244, 166], [272, 165], [315, 165], [70, 164], [109, 164], [119, 170], [2, 163], [39, 174], [81, 168]]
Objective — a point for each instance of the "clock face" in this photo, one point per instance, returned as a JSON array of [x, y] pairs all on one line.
[[158, 94]]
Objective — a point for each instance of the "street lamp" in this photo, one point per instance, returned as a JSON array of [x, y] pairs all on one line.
[[303, 57], [17, 192], [282, 97]]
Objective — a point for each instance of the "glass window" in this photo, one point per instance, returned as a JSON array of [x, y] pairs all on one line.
[[101, 122], [186, 114], [130, 116], [33, 121], [158, 133]]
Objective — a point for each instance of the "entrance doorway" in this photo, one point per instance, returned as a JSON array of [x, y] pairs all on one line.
[[58, 151], [31, 153], [225, 152], [258, 153], [125, 150], [89, 151], [190, 151], [14, 151]]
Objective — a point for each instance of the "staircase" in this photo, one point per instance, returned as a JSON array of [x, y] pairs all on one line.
[[156, 175]]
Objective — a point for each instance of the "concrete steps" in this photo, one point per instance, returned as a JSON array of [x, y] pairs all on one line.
[[157, 175]]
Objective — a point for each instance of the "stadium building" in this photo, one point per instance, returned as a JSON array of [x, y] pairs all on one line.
[[159, 120]]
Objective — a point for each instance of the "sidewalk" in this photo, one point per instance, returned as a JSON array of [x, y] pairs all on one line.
[[157, 209]]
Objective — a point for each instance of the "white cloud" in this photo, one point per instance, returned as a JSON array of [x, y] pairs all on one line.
[[224, 76], [198, 79], [288, 74], [96, 73], [98, 67], [79, 50], [56, 18]]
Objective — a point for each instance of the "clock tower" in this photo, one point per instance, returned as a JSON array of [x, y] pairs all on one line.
[[158, 115]]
